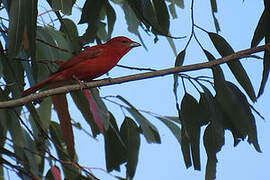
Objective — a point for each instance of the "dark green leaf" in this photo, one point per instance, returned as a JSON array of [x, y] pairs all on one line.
[[176, 130], [45, 52], [69, 28], [213, 141], [224, 49], [149, 131], [83, 105], [214, 10], [16, 27], [237, 114], [131, 137], [179, 3], [61, 42], [172, 11], [30, 154], [91, 15], [219, 78], [191, 123], [178, 62], [114, 147], [162, 15], [185, 147], [111, 17], [69, 170], [266, 68], [262, 29], [3, 133], [252, 132], [31, 26], [64, 5], [170, 40]]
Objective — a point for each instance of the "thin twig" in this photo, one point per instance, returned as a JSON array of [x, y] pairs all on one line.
[[134, 77]]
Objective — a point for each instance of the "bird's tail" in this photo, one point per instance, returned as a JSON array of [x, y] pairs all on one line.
[[39, 85]]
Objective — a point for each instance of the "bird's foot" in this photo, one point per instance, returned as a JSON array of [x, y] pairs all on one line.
[[81, 83]]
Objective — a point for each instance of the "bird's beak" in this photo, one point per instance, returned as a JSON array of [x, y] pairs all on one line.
[[134, 44]]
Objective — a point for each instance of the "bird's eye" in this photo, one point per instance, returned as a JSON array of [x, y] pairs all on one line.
[[124, 41]]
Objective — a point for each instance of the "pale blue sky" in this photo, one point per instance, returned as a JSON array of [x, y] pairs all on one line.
[[237, 21], [164, 161]]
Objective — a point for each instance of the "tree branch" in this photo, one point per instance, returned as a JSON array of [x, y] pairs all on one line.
[[146, 75]]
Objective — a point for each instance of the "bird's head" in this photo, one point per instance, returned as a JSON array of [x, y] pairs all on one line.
[[122, 42]]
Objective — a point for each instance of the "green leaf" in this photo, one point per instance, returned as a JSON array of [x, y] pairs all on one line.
[[114, 147], [213, 141], [237, 114], [214, 10], [185, 147], [91, 15], [131, 137], [191, 123], [252, 132], [83, 105], [30, 154], [64, 5], [266, 68], [224, 49], [3, 133], [69, 28], [111, 17], [172, 11], [178, 62], [162, 15], [30, 28], [149, 131], [46, 52], [132, 21], [16, 27], [176, 130], [262, 29], [44, 112], [61, 42], [219, 78], [69, 170]]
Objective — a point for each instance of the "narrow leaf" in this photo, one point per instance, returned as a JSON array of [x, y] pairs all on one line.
[[61, 107], [162, 15], [102, 110], [131, 137], [56, 173], [191, 119], [213, 141], [111, 17], [224, 49], [262, 29], [149, 131], [94, 110], [114, 147], [178, 62], [176, 130], [69, 170], [83, 105], [252, 130], [16, 27], [266, 68]]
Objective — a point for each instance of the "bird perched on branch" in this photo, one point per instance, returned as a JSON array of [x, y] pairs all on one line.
[[89, 64]]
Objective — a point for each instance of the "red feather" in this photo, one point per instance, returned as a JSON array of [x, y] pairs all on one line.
[[89, 64]]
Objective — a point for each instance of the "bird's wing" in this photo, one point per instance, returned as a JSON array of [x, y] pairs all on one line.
[[87, 54]]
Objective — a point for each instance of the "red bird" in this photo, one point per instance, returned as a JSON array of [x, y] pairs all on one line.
[[89, 64]]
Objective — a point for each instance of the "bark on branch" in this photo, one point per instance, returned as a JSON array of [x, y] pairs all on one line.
[[119, 80]]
